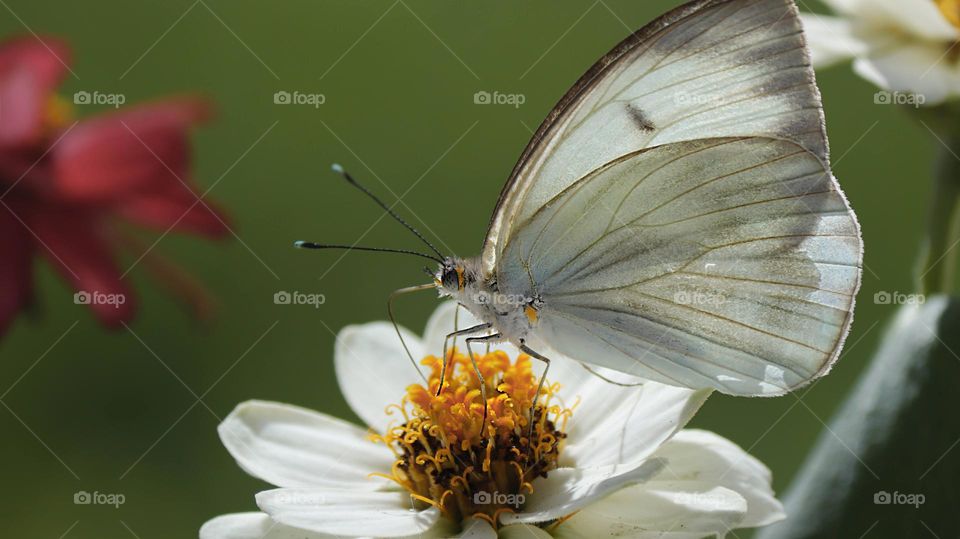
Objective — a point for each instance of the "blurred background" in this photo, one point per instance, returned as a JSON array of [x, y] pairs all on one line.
[[134, 411]]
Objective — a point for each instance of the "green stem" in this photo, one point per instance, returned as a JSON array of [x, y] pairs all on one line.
[[938, 259]]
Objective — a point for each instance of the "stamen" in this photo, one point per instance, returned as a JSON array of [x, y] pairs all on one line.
[[450, 456]]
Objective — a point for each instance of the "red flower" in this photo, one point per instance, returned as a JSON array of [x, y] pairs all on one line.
[[65, 185]]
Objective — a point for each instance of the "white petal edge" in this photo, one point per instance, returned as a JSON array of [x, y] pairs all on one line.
[[831, 39], [523, 531], [708, 458], [475, 528], [347, 513], [918, 68], [567, 490], [289, 446], [641, 513], [373, 369], [252, 526]]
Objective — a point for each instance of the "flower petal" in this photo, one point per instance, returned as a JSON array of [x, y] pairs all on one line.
[[917, 68], [919, 18], [347, 512], [637, 513], [831, 39], [75, 244], [710, 459], [252, 526], [707, 486], [567, 490], [175, 207], [476, 528], [619, 425], [289, 446], [16, 264], [261, 526], [30, 70], [373, 370], [138, 149], [523, 531]]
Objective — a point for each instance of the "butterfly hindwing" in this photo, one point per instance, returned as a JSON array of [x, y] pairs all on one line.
[[724, 263]]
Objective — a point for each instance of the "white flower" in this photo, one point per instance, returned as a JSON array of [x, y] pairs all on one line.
[[899, 45], [616, 460]]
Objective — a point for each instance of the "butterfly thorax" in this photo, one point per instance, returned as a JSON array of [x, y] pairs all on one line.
[[510, 315]]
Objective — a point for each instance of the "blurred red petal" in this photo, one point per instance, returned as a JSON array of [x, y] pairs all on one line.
[[176, 208], [16, 280], [30, 70], [75, 245], [138, 149]]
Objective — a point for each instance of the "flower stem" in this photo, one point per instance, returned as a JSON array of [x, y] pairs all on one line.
[[938, 259]]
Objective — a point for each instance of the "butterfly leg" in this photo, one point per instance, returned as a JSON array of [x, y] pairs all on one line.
[[466, 331], [476, 368], [536, 355]]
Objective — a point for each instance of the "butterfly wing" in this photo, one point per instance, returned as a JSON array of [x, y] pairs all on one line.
[[710, 68], [676, 211], [723, 263]]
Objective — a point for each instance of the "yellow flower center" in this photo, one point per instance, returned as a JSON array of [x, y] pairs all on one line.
[[449, 456], [950, 10]]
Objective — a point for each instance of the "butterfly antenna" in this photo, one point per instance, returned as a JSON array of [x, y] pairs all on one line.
[[311, 245], [346, 175]]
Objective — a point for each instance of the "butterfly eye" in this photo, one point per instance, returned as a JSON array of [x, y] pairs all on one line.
[[452, 278]]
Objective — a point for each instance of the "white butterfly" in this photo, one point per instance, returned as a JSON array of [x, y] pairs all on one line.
[[675, 217]]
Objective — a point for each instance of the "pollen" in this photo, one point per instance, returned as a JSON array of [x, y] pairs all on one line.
[[449, 455]]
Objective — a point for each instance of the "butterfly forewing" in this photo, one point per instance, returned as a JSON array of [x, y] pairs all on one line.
[[716, 68]]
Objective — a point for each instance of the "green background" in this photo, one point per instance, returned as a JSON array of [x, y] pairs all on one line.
[[103, 411]]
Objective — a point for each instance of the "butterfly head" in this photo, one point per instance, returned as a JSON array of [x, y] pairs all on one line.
[[452, 276]]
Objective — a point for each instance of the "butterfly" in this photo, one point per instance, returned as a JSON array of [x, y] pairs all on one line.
[[675, 217]]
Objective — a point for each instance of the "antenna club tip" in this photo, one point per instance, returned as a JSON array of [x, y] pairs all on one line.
[[336, 167], [299, 244]]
